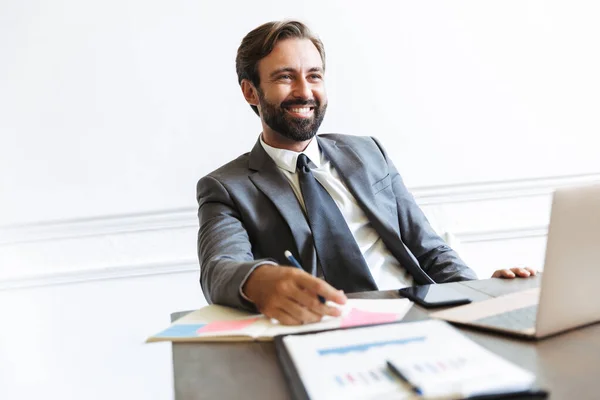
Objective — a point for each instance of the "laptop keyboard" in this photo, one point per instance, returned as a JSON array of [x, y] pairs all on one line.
[[519, 319]]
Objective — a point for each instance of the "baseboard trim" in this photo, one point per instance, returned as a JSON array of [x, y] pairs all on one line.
[[99, 274]]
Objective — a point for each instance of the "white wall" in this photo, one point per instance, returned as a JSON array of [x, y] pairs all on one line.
[[86, 341], [110, 112]]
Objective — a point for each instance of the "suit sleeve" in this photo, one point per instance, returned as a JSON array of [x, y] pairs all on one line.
[[435, 257], [224, 248]]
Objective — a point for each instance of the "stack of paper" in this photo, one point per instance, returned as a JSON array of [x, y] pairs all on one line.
[[219, 323]]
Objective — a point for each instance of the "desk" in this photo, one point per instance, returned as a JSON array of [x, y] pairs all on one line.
[[568, 364]]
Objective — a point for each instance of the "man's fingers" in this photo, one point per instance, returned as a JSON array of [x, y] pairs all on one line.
[[298, 312], [284, 317], [522, 272], [320, 287], [311, 301], [514, 272], [507, 273], [503, 273]]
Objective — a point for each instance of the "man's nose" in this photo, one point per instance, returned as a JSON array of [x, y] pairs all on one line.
[[302, 89]]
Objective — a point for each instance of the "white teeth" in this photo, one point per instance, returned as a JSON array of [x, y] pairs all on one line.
[[300, 110]]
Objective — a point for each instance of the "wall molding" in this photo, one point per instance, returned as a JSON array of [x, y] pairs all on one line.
[[99, 274], [185, 217], [501, 235], [191, 265], [177, 218], [498, 190]]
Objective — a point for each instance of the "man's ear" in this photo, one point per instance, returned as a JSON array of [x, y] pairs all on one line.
[[250, 92]]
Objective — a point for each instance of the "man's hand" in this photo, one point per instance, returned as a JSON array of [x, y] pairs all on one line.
[[290, 295], [514, 272]]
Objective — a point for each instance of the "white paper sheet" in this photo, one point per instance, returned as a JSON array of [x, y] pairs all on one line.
[[351, 364]]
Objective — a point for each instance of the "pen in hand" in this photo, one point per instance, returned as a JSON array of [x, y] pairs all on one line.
[[296, 264]]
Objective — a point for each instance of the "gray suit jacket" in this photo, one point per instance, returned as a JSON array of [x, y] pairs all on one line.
[[249, 214]]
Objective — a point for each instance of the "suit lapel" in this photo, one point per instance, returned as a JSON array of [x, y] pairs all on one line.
[[353, 173], [269, 180]]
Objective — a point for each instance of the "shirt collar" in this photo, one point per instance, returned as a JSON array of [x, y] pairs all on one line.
[[287, 159]]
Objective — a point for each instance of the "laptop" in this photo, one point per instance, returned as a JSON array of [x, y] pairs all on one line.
[[567, 296]]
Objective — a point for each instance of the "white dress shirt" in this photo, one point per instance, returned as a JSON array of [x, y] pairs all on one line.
[[385, 268]]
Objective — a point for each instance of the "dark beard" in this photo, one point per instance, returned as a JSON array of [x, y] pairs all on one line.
[[296, 129]]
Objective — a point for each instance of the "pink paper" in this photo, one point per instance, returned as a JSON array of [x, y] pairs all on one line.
[[358, 317], [218, 326]]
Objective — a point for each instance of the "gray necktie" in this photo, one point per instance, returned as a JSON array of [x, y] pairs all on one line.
[[341, 260]]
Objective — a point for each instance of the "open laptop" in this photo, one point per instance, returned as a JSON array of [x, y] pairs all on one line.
[[567, 296]]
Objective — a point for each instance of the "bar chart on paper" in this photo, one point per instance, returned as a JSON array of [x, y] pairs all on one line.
[[355, 370], [381, 375], [351, 364], [362, 375], [370, 377]]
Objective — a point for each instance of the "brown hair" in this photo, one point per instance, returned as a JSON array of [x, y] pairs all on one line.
[[260, 42]]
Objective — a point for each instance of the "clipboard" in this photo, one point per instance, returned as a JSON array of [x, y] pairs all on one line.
[[299, 391]]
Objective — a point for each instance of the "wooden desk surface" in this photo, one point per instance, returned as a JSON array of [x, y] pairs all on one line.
[[568, 364]]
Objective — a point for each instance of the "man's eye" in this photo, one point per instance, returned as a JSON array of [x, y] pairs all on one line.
[[316, 77], [285, 77]]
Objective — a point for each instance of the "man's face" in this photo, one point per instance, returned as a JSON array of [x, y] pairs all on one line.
[[291, 94]]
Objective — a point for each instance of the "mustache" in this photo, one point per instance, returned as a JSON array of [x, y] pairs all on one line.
[[305, 103]]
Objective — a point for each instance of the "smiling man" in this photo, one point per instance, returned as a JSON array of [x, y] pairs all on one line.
[[336, 202]]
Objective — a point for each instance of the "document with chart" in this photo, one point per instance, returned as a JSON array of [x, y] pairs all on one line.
[[431, 356]]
